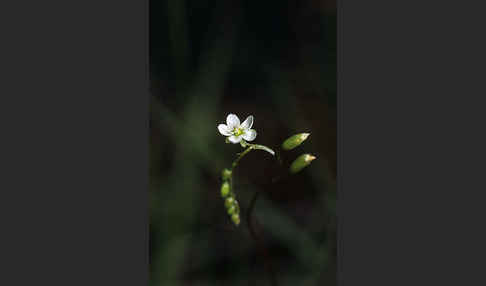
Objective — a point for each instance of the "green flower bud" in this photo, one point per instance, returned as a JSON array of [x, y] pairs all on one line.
[[301, 162], [294, 141], [232, 210], [236, 219], [225, 189], [226, 174], [229, 202]]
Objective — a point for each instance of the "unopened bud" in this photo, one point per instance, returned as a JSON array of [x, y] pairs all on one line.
[[225, 189], [301, 162], [236, 219], [231, 210], [226, 174], [229, 202], [294, 141]]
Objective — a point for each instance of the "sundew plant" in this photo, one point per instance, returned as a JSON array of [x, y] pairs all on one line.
[[242, 133]]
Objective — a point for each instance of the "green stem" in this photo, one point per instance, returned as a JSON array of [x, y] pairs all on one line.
[[264, 148], [247, 150], [235, 163]]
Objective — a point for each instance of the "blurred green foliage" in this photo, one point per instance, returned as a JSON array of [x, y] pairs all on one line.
[[275, 60]]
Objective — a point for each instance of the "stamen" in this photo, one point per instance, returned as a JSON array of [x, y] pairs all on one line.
[[237, 131]]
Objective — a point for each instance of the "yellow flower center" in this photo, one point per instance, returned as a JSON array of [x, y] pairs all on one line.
[[237, 131]]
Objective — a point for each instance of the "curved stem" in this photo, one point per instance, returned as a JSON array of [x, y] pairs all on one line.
[[235, 162], [258, 240], [263, 147], [251, 147]]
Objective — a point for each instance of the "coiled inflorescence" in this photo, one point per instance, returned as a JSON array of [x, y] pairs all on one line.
[[230, 202], [242, 133]]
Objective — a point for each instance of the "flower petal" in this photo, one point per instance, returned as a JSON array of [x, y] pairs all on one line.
[[234, 139], [249, 135], [223, 129], [232, 121], [247, 123]]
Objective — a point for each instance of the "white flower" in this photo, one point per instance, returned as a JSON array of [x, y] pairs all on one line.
[[236, 131]]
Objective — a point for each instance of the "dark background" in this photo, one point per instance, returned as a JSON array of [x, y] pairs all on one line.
[[275, 60]]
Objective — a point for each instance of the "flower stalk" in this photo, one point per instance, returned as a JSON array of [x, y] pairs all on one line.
[[243, 133]]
